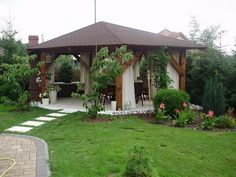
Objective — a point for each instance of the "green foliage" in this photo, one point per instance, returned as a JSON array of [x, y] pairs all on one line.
[[172, 98], [161, 113], [208, 122], [225, 121], [14, 81], [184, 117], [65, 64], [160, 59], [104, 70], [138, 164], [213, 97], [10, 45]]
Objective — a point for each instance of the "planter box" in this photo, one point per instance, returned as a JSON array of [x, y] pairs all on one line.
[[45, 101], [53, 96]]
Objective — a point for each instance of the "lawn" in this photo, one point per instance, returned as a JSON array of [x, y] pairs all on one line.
[[10, 117], [80, 148], [84, 149]]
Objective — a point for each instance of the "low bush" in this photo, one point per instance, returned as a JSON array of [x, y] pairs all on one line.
[[185, 116], [225, 122], [138, 164], [208, 121], [172, 98]]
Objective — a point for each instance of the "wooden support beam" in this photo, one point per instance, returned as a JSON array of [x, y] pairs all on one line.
[[119, 84], [182, 63], [176, 65], [43, 72]]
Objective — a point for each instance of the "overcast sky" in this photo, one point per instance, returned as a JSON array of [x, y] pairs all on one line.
[[52, 18]]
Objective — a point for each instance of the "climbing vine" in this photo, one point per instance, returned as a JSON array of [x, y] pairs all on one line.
[[157, 62]]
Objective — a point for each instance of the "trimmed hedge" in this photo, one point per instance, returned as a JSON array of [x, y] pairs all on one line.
[[172, 98]]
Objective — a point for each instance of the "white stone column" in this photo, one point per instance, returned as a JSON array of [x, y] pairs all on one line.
[[136, 70], [85, 62], [128, 95]]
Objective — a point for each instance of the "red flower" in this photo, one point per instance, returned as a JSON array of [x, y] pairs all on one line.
[[185, 104], [177, 111], [210, 113], [162, 106]]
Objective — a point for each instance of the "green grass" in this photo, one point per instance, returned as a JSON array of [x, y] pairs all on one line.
[[84, 149], [10, 117]]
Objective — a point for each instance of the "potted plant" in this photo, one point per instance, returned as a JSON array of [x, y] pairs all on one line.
[[53, 89], [45, 98]]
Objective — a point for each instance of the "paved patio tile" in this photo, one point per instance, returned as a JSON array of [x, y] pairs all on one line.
[[45, 118], [19, 129], [56, 115], [68, 111], [33, 123]]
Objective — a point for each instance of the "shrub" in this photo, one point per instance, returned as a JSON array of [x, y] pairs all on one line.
[[172, 98], [185, 116], [225, 121], [213, 96], [138, 164], [208, 121]]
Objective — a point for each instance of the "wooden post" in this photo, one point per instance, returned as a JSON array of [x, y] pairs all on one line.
[[43, 72], [119, 85], [182, 63]]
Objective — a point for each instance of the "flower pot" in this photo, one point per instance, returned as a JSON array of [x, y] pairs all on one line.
[[45, 101], [113, 105], [53, 96]]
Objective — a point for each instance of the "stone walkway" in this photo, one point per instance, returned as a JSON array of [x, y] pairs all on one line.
[[30, 124], [30, 154]]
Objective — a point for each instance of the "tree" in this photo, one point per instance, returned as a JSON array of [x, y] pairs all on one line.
[[105, 68], [214, 96], [14, 82], [9, 44]]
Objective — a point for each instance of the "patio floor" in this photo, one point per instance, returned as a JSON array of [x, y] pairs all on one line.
[[73, 104]]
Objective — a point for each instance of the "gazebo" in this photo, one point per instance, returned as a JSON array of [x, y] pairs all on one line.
[[84, 43]]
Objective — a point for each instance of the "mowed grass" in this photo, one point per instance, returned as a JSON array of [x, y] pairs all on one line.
[[10, 117], [84, 149]]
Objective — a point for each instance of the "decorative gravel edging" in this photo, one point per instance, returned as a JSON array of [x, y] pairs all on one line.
[[42, 165]]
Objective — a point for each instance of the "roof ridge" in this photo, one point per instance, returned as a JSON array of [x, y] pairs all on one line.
[[105, 25]]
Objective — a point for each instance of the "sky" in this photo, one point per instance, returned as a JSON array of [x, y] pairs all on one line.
[[52, 18]]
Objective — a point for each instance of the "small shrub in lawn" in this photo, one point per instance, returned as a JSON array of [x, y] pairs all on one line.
[[225, 121], [184, 117], [138, 164], [208, 121], [172, 99]]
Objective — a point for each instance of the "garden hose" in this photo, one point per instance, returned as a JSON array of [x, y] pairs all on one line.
[[9, 168]]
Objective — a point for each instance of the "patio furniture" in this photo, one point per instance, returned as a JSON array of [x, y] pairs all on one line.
[[138, 89], [108, 94]]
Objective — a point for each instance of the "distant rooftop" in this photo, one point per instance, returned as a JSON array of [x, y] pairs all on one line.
[[105, 34], [172, 34]]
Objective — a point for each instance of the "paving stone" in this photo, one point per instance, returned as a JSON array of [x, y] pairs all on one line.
[[56, 115], [33, 123], [45, 118], [68, 111], [19, 129]]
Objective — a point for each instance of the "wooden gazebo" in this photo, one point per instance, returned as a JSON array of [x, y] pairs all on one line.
[[84, 43]]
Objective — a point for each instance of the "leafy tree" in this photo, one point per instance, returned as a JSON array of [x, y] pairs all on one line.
[[14, 82], [105, 68]]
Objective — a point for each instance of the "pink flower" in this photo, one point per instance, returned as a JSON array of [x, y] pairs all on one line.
[[162, 106], [210, 113], [177, 111], [185, 104]]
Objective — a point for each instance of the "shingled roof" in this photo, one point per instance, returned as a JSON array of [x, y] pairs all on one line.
[[103, 33]]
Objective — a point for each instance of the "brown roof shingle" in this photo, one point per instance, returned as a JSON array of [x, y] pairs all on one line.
[[103, 33]]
